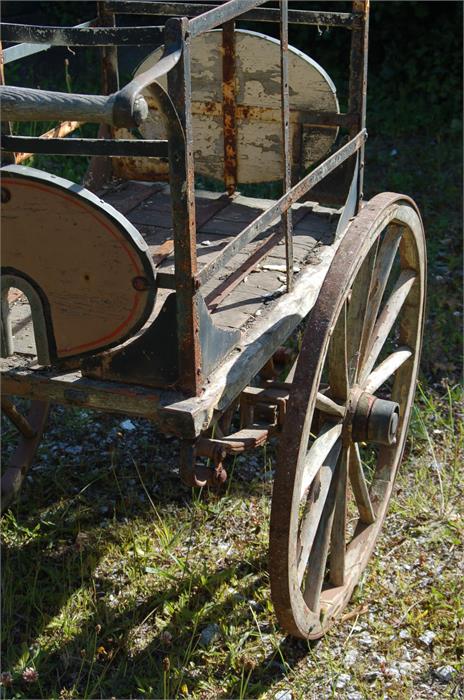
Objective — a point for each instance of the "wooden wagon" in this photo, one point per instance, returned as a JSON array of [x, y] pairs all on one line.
[[158, 294]]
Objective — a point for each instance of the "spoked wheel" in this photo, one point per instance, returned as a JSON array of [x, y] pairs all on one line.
[[347, 416], [25, 431]]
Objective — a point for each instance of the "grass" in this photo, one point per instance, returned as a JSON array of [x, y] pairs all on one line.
[[118, 581]]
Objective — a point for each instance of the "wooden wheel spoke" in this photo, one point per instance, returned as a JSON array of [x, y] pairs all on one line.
[[338, 538], [356, 314], [338, 368], [326, 405], [387, 368], [317, 454], [18, 420], [386, 320], [380, 275], [360, 487], [315, 571], [313, 513]]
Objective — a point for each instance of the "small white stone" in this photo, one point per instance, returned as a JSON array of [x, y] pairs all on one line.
[[445, 673], [350, 657], [127, 425], [342, 680], [283, 695], [365, 639], [209, 634], [404, 668], [404, 634], [427, 638]]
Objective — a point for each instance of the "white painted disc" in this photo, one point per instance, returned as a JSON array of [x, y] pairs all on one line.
[[258, 116]]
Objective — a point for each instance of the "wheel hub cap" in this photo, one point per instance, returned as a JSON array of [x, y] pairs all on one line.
[[372, 419]]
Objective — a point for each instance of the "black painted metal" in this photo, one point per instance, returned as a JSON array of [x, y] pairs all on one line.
[[82, 36], [85, 147], [189, 9]]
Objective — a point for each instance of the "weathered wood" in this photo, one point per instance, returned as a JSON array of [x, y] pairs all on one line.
[[317, 454], [386, 320], [360, 487], [308, 611], [257, 88], [82, 255], [386, 369], [338, 535]]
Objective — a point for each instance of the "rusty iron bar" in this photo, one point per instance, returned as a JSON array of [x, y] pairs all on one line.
[[220, 15], [358, 80], [18, 420], [218, 294], [190, 9], [229, 107], [268, 114], [81, 36], [286, 143], [181, 178], [287, 200]]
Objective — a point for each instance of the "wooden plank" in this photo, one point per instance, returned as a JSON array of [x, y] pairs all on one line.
[[83, 256], [258, 88]]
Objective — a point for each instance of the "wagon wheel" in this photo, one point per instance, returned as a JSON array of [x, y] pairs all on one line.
[[347, 415], [27, 432]]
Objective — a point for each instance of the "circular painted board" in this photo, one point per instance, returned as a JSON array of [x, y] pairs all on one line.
[[84, 263], [258, 99]]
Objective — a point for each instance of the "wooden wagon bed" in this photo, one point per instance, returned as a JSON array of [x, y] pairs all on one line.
[[219, 219]]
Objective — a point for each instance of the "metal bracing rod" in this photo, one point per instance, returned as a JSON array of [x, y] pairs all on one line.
[[274, 212], [219, 15]]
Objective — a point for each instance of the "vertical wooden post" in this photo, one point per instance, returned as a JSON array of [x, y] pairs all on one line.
[[286, 145], [228, 107], [358, 80], [181, 178]]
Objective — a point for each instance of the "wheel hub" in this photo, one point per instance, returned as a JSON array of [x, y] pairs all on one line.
[[371, 419]]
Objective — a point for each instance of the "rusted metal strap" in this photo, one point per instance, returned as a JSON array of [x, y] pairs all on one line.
[[274, 212], [286, 145], [229, 107]]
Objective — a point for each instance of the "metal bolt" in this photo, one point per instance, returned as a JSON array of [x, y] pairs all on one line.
[[141, 284], [6, 195]]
